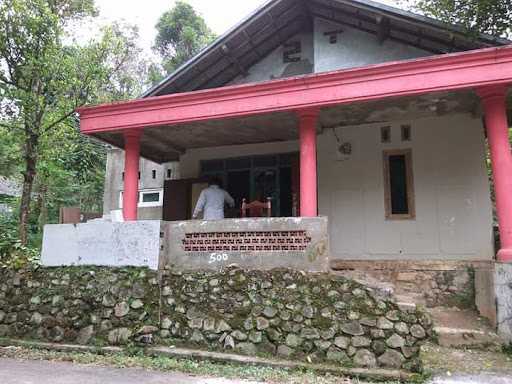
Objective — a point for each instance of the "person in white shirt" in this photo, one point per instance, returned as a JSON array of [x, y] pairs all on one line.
[[211, 201]]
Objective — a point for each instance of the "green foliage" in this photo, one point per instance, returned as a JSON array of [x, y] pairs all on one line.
[[12, 253], [181, 33], [476, 16]]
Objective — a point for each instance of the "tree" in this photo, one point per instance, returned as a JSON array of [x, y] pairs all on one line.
[[43, 80], [181, 33], [476, 16]]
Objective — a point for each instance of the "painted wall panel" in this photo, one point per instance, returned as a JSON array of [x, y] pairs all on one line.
[[356, 48]]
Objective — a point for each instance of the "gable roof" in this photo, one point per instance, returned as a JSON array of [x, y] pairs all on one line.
[[278, 20]]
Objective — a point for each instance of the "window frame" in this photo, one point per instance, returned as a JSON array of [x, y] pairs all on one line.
[[409, 184], [140, 203]]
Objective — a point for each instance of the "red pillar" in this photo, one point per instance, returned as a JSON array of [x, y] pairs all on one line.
[[308, 179], [493, 100], [131, 174]]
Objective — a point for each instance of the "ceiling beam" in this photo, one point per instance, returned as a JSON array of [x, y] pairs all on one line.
[[383, 27]]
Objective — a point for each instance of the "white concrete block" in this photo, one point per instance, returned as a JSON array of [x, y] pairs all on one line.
[[60, 245]]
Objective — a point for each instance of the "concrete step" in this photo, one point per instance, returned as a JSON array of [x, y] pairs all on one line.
[[462, 329]]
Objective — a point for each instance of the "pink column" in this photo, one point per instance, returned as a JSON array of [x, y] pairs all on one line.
[[308, 179], [493, 99], [131, 174]]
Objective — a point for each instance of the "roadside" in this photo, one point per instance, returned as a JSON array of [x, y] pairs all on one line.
[[447, 365]]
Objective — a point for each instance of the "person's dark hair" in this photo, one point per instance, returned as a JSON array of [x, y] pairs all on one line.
[[215, 180]]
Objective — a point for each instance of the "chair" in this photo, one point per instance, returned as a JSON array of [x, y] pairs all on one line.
[[257, 208]]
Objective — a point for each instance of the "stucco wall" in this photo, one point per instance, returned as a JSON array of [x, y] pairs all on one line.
[[453, 207], [114, 182], [355, 48]]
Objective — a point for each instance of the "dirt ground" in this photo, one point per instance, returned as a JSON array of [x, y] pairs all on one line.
[[442, 360]]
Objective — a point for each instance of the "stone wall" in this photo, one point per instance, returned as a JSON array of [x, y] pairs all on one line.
[[286, 313]]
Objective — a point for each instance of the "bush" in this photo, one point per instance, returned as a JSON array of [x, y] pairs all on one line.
[[12, 253]]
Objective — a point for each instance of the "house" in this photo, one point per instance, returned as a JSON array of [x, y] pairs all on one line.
[[8, 189], [367, 122]]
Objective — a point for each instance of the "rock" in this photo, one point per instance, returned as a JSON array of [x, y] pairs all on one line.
[[248, 324], [328, 333], [166, 291], [108, 301], [308, 312], [209, 324], [147, 329], [269, 312], [322, 344], [214, 282], [36, 300], [393, 315], [352, 328], [368, 322], [121, 309], [310, 333], [239, 335], [36, 318], [409, 352], [255, 337], [105, 325], [365, 358], [222, 326], [391, 359], [335, 354], [166, 323], [57, 334], [273, 334], [229, 342], [196, 323], [361, 341], [197, 336], [119, 336], [11, 318], [351, 351], [4, 330], [136, 304], [247, 349], [401, 328], [383, 323], [377, 333], [85, 335], [379, 347], [285, 315], [293, 341], [342, 342], [262, 323], [417, 331], [284, 350], [395, 341]]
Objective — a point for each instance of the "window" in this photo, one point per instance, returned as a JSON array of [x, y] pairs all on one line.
[[169, 173], [385, 134], [406, 133], [398, 185], [153, 174], [147, 198]]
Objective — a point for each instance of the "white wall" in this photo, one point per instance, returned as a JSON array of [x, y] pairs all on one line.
[[453, 207], [356, 48]]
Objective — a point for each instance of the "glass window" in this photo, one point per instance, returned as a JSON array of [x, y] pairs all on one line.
[[398, 183], [150, 197]]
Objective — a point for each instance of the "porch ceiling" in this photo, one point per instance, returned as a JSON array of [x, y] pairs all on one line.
[[166, 143]]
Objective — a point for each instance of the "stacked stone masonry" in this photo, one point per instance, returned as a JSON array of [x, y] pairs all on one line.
[[285, 313]]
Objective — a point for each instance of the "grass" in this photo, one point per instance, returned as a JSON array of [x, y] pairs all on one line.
[[165, 364]]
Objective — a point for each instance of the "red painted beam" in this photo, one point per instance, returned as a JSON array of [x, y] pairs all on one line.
[[469, 69]]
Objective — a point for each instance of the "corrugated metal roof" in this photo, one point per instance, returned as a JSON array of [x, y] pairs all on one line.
[[278, 20]]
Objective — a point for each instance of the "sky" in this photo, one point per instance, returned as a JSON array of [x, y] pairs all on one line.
[[220, 15]]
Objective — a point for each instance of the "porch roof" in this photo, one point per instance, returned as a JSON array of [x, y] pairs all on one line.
[[263, 112]]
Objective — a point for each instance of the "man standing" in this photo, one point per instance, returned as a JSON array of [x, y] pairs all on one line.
[[211, 201]]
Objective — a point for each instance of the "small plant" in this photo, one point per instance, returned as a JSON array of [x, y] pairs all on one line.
[[507, 349], [12, 253]]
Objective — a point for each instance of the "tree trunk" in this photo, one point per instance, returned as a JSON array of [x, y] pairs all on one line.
[[29, 175], [42, 207]]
